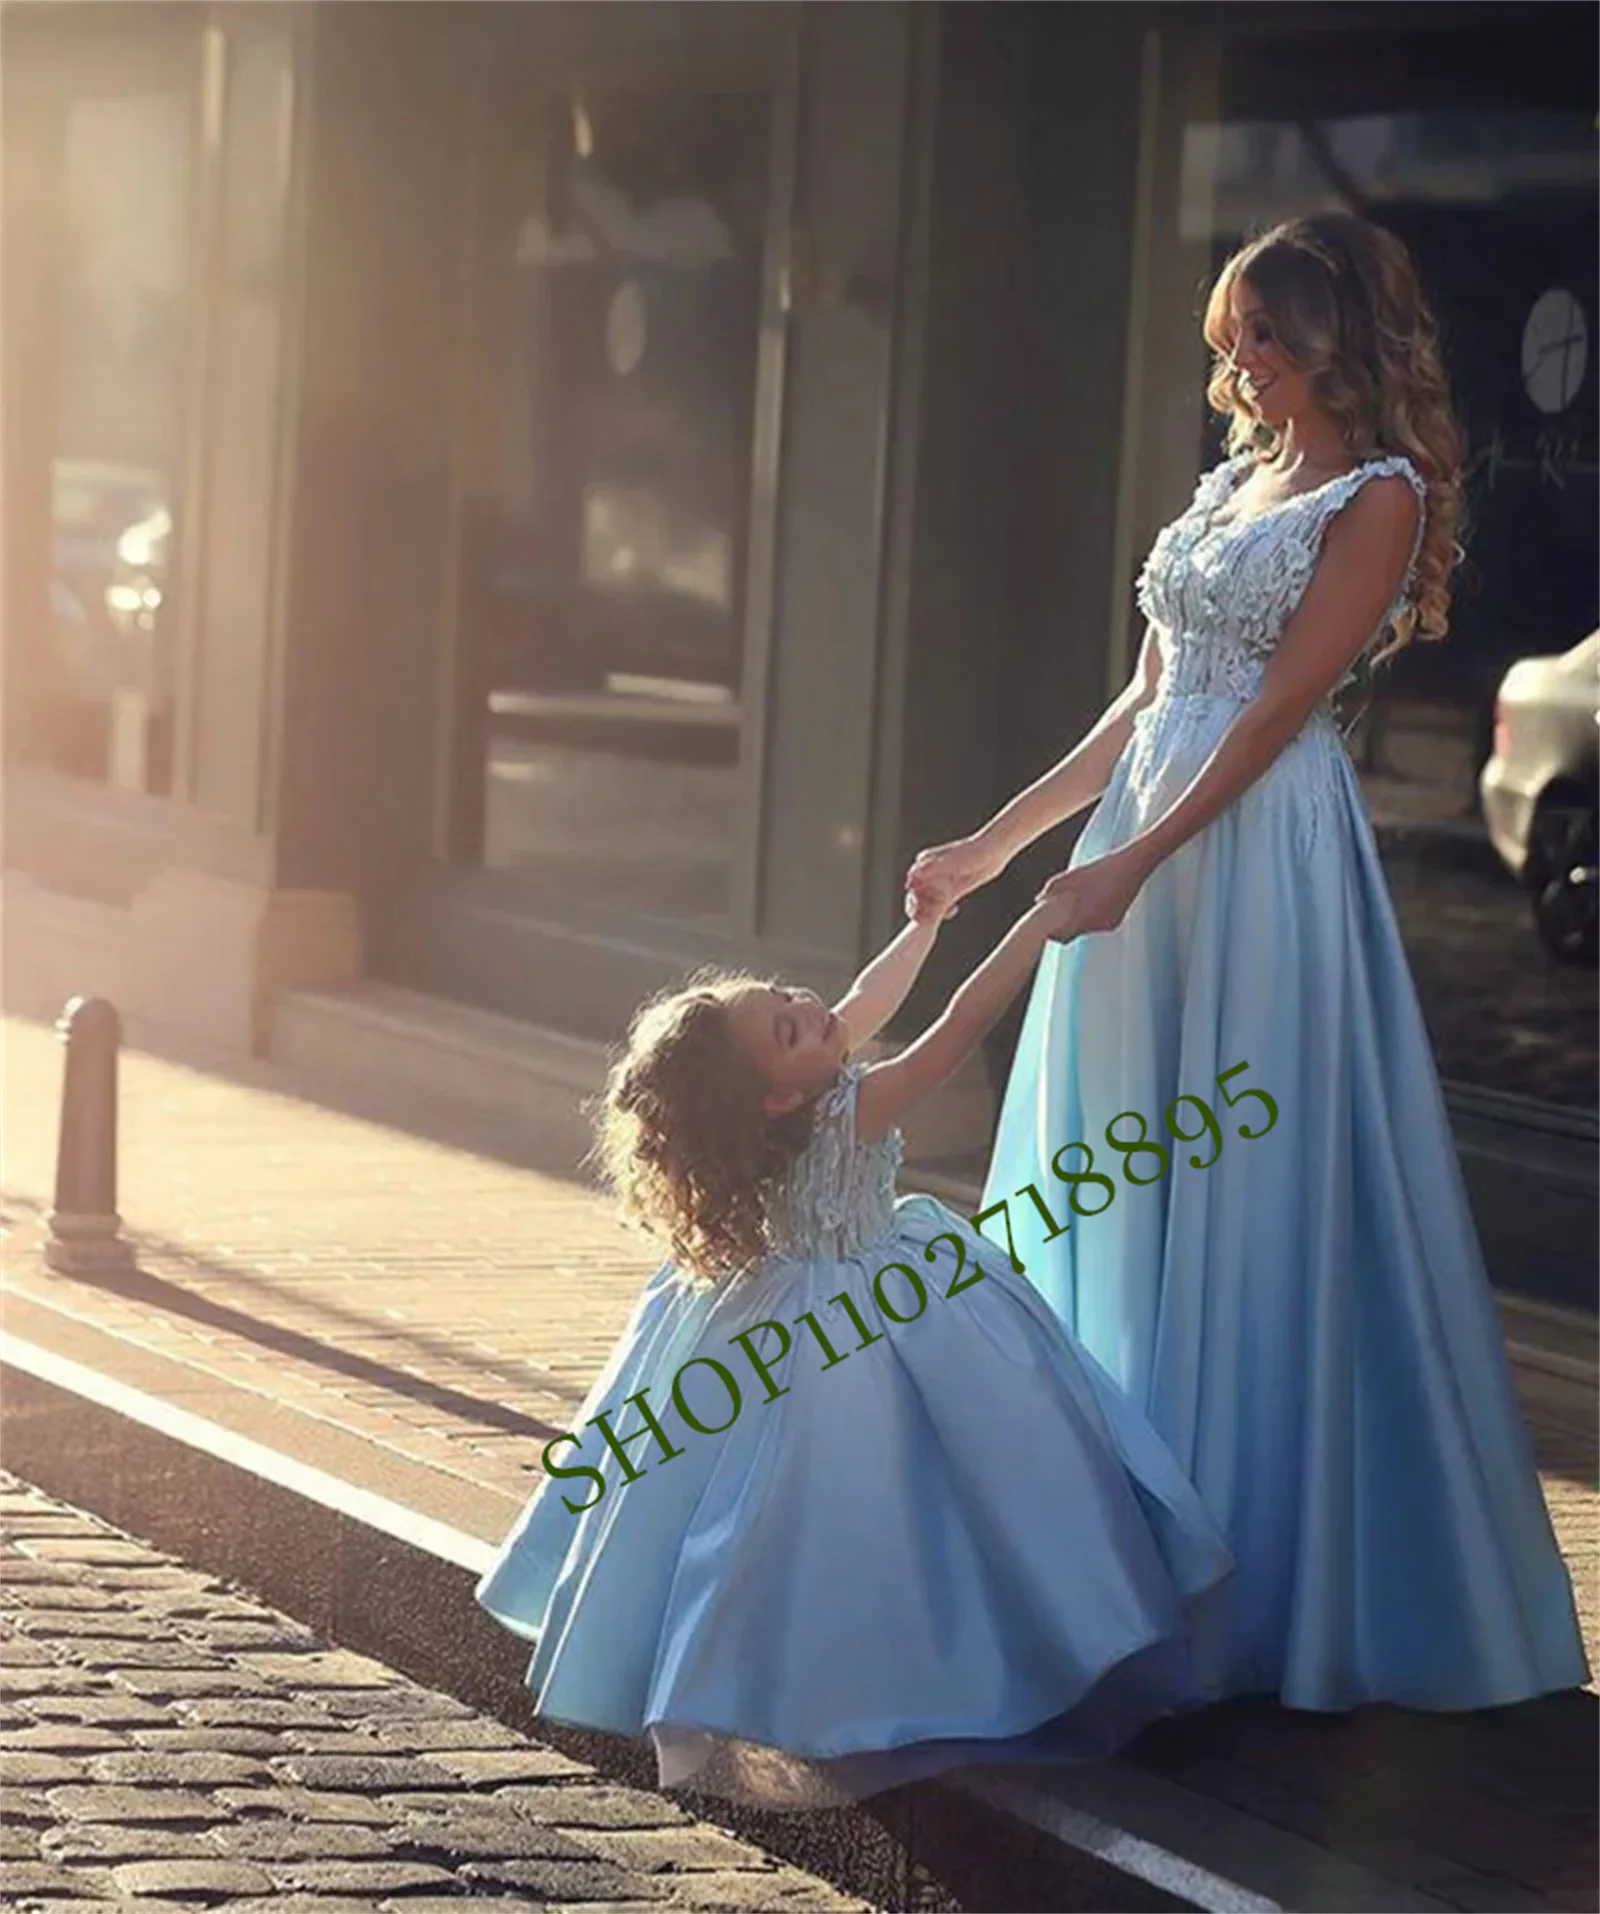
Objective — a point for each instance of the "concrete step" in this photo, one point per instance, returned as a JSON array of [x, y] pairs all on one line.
[[388, 1046], [1555, 1358], [390, 1039], [438, 1044], [1560, 1342]]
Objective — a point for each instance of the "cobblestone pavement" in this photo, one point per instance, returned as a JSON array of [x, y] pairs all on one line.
[[166, 1743]]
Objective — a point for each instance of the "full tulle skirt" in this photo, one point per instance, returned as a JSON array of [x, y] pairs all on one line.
[[956, 1544]]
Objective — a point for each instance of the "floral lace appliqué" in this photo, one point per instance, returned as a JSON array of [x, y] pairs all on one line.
[[1222, 593], [839, 1193]]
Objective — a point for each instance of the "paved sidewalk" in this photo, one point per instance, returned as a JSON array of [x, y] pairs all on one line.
[[450, 1302], [431, 1297], [445, 1304], [166, 1742]]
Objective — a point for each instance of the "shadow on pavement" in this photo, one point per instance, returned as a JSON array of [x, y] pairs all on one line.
[[163, 1294], [448, 1123], [1505, 1793]]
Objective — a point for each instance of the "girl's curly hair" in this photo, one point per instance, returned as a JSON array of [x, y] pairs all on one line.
[[683, 1138], [1347, 306]]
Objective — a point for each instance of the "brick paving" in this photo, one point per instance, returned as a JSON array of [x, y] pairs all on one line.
[[1497, 1813], [432, 1296], [398, 1798]]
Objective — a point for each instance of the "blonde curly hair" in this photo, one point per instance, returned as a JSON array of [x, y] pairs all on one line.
[[683, 1137], [1348, 308]]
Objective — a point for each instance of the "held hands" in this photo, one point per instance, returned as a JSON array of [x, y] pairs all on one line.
[[941, 876], [925, 907], [1094, 897], [1076, 903]]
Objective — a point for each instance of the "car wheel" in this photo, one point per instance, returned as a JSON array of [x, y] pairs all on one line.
[[1566, 890]]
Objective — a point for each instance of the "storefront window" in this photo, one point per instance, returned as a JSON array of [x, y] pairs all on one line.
[[121, 367], [603, 572], [1499, 206]]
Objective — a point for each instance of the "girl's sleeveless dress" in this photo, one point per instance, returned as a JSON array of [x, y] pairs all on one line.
[[1306, 1319], [953, 1543]]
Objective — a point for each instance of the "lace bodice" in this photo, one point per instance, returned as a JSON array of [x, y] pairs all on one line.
[[1221, 594], [839, 1193]]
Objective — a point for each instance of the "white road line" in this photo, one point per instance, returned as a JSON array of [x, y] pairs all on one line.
[[316, 1485]]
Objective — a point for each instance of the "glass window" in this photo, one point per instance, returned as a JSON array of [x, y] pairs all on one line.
[[121, 367], [1482, 785], [604, 570]]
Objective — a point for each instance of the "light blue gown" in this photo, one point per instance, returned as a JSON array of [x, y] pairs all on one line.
[[1307, 1320], [955, 1543]]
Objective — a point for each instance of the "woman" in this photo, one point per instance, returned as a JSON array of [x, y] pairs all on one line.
[[1297, 1300]]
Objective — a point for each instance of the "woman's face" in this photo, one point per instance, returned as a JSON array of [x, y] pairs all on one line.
[[1270, 384]]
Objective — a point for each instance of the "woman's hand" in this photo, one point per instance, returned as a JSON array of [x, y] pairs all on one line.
[[940, 877], [927, 907], [1095, 897]]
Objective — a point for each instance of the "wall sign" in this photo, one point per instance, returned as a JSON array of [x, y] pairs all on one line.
[[1555, 350]]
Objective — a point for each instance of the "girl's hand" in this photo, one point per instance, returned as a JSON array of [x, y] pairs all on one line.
[[1095, 897], [926, 907], [946, 873]]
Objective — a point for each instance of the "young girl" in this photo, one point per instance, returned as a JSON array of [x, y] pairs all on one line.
[[847, 1505]]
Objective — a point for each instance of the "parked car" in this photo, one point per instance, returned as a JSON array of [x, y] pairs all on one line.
[[1539, 792]]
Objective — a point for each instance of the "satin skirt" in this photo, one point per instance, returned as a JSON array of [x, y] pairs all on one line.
[[956, 1544], [1299, 1302]]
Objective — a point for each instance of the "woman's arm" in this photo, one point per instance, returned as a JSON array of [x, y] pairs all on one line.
[[950, 871], [886, 982], [1078, 780], [1365, 557]]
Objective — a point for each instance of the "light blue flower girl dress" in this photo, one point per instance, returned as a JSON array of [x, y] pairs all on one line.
[[1300, 1307], [952, 1543]]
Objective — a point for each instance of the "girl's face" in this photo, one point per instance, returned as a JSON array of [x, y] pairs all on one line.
[[1273, 387], [792, 1038]]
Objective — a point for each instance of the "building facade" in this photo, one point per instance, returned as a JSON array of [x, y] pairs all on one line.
[[517, 501]]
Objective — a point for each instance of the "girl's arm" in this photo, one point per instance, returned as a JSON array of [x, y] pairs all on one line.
[[950, 871], [1366, 555], [889, 1089], [886, 982]]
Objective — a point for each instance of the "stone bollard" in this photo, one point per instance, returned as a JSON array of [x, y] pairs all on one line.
[[85, 1230]]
